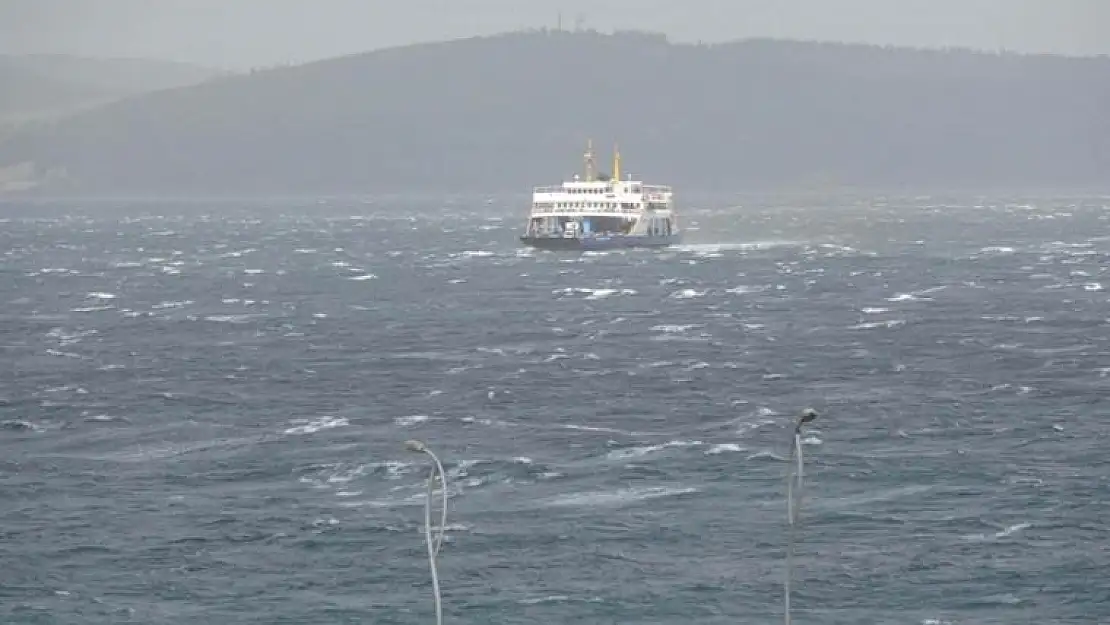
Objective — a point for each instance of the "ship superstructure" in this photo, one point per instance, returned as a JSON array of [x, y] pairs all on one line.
[[598, 211]]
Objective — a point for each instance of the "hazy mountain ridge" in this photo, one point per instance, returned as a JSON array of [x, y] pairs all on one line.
[[502, 113], [41, 85]]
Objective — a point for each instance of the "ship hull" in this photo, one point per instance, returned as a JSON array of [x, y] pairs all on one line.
[[599, 243]]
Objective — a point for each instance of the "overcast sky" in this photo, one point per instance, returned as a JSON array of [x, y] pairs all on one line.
[[244, 33]]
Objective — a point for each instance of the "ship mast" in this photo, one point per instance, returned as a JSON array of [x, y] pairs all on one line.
[[589, 158]]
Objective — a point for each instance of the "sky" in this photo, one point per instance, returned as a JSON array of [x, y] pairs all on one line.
[[238, 34]]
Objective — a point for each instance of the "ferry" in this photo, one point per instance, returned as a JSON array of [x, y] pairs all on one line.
[[601, 212]]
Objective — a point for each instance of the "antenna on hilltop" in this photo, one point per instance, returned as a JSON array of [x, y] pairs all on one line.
[[559, 22]]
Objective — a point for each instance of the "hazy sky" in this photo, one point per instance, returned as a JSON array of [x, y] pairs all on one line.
[[243, 33]]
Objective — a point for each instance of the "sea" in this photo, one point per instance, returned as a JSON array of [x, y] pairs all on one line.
[[204, 406]]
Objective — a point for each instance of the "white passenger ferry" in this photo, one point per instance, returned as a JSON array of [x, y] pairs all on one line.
[[601, 212]]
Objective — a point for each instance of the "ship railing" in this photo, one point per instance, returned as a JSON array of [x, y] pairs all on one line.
[[577, 210], [622, 188], [619, 198], [565, 196]]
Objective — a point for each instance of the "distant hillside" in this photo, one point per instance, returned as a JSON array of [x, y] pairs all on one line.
[[37, 86], [506, 112]]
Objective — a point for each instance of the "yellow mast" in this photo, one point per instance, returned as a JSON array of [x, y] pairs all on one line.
[[616, 163]]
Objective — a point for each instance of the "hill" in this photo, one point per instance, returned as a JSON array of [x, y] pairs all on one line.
[[509, 111], [38, 86]]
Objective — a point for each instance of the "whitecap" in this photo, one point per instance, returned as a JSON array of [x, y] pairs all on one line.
[[674, 328], [722, 448], [305, 426], [743, 289], [410, 420], [54, 352], [588, 428], [643, 450], [1003, 533], [547, 599], [766, 455], [229, 318], [618, 497], [890, 323], [593, 293], [171, 304]]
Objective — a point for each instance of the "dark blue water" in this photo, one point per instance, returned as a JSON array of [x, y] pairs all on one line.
[[203, 408]]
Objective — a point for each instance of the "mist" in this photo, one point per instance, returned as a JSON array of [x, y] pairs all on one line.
[[254, 33]]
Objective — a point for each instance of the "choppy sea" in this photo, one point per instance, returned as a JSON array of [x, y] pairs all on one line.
[[203, 406]]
